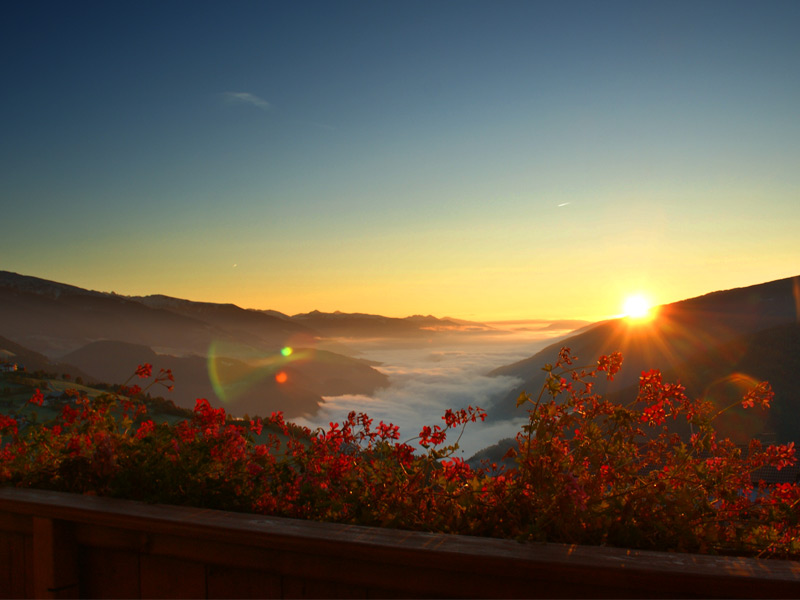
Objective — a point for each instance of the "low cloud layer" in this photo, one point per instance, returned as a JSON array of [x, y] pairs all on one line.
[[424, 382]]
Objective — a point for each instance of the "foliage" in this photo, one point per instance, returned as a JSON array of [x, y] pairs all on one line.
[[587, 470]]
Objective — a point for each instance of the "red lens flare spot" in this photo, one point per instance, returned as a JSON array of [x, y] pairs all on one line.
[[281, 377]]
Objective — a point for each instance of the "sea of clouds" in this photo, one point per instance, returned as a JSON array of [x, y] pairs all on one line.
[[428, 378]]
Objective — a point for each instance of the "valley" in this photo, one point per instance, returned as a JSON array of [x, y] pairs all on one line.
[[317, 367]]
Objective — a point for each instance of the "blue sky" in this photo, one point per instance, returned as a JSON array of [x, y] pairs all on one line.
[[475, 159]]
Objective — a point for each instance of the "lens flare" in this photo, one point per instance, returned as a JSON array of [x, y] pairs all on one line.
[[233, 369], [736, 422]]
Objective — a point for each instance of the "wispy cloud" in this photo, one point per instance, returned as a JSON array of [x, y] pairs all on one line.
[[246, 98]]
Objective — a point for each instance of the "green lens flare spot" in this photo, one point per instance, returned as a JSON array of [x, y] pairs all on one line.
[[287, 351]]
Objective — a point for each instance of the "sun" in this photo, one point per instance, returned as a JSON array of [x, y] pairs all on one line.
[[638, 308]]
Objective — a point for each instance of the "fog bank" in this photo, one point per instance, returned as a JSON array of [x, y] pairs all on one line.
[[427, 379]]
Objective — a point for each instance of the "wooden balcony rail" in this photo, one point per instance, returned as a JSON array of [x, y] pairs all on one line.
[[57, 545]]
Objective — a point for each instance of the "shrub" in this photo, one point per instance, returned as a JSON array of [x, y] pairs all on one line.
[[586, 470]]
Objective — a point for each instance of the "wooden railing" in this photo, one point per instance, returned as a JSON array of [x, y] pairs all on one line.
[[56, 545]]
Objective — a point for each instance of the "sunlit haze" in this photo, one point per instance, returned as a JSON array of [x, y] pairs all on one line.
[[480, 160]]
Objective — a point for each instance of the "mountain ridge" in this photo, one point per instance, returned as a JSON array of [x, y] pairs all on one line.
[[108, 335], [716, 324], [206, 320]]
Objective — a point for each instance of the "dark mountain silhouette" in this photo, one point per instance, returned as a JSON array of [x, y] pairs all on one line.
[[726, 373], [54, 319], [697, 341], [276, 314], [240, 387], [339, 324], [107, 336], [112, 361], [251, 327], [34, 361]]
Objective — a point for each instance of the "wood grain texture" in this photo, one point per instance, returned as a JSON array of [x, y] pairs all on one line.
[[194, 552]]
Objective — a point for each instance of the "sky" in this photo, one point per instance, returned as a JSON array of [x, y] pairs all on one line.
[[480, 160]]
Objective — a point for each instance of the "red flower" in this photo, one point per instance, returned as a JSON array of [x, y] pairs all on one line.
[[565, 357], [781, 456], [653, 415], [433, 436], [144, 371], [391, 432], [8, 422], [456, 469], [37, 398], [425, 435], [69, 414], [610, 364], [762, 395], [145, 429]]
